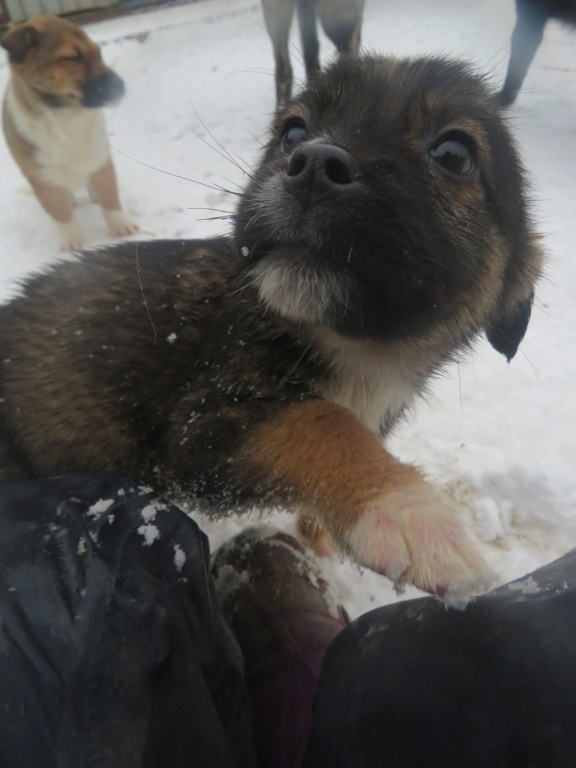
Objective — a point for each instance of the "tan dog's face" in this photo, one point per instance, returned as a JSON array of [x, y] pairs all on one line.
[[60, 65]]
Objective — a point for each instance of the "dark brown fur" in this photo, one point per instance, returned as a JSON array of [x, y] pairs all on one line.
[[260, 369], [341, 20]]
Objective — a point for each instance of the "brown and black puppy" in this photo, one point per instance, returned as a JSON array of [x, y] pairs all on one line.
[[341, 20], [54, 124], [384, 230], [531, 18]]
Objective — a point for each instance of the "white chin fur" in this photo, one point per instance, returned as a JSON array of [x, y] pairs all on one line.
[[297, 292]]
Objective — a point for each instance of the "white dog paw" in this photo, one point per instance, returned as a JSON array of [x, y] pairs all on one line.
[[71, 237], [412, 535], [119, 225]]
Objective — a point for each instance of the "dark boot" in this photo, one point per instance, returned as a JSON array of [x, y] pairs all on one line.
[[284, 619]]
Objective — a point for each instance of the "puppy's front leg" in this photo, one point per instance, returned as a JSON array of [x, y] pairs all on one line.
[[58, 203], [104, 188], [381, 512]]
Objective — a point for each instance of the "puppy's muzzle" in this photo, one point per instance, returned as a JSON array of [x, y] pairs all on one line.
[[103, 89], [318, 172]]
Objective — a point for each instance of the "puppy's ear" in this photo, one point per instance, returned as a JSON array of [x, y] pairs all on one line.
[[18, 41], [508, 331], [507, 326]]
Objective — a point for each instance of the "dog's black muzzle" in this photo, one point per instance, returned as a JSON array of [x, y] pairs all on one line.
[[103, 89]]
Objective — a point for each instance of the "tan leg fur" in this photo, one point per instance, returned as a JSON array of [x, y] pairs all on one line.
[[378, 510]]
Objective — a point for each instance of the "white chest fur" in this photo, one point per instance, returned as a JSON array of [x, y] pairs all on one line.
[[376, 381], [71, 143]]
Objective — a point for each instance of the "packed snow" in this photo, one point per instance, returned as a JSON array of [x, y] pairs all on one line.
[[200, 91]]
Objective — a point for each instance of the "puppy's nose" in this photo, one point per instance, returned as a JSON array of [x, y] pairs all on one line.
[[104, 88], [317, 171]]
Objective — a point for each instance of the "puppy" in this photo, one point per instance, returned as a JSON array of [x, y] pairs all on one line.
[[54, 124], [341, 20], [385, 228], [531, 18]]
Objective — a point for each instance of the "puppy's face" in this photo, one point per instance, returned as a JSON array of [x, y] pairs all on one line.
[[60, 65], [390, 205]]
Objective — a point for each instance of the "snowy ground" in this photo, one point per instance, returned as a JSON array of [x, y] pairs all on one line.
[[500, 438]]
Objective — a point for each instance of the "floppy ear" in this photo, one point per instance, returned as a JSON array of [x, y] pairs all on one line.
[[521, 254], [508, 331], [18, 41]]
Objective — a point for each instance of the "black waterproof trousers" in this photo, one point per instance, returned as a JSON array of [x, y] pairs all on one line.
[[414, 685], [113, 652]]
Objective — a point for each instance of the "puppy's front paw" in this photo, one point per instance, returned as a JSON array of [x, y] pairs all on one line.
[[71, 237], [119, 225], [412, 535]]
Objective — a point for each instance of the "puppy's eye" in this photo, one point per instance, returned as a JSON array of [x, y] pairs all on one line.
[[75, 58], [294, 132], [455, 154]]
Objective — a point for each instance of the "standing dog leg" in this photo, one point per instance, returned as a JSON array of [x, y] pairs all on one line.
[[58, 203], [104, 188], [278, 17], [526, 38], [342, 21], [309, 36]]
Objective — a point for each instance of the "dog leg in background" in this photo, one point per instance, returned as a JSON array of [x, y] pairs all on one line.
[[309, 36], [104, 188], [278, 17], [526, 38], [58, 203], [379, 511], [342, 22]]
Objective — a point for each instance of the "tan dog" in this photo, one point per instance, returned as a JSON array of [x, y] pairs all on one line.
[[54, 124]]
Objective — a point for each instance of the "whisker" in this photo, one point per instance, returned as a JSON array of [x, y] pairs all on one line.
[[256, 138], [286, 377], [236, 160], [488, 66], [218, 188], [144, 295], [222, 154], [214, 210], [525, 356], [215, 218], [230, 181]]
